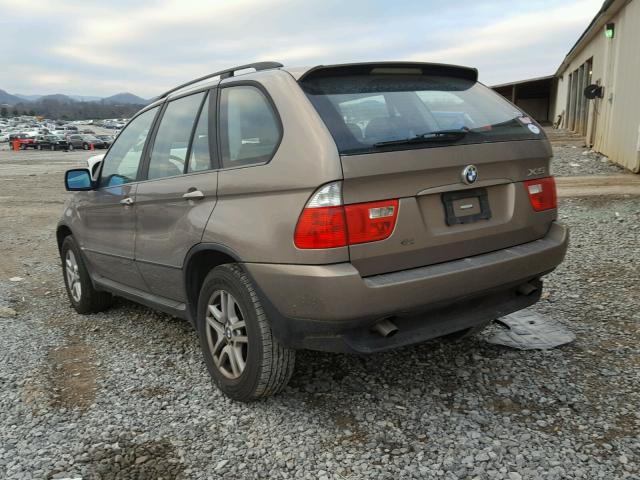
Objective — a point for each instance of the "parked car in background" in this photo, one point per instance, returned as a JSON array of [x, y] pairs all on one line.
[[107, 139], [84, 141], [25, 141], [51, 142], [93, 163], [88, 131]]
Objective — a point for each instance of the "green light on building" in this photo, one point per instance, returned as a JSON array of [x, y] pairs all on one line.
[[609, 30]]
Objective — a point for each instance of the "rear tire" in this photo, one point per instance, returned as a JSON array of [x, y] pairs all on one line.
[[83, 297], [244, 359]]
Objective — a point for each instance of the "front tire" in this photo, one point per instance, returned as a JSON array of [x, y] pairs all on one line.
[[83, 297], [244, 359]]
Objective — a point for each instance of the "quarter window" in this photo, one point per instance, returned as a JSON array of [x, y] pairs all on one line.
[[171, 145], [249, 129], [120, 165]]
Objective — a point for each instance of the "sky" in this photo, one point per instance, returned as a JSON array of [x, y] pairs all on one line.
[[87, 47]]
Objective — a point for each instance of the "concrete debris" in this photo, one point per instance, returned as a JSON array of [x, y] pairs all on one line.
[[528, 330], [6, 312]]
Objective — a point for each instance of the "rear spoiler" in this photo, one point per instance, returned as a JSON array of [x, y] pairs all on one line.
[[419, 68]]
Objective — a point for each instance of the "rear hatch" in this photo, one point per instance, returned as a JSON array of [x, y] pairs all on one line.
[[454, 153]]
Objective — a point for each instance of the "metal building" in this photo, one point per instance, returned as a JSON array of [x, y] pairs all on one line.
[[607, 54], [535, 96]]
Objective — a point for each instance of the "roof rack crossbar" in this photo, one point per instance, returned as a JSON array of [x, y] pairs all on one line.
[[257, 66]]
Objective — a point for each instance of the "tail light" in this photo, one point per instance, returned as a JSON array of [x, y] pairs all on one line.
[[326, 223], [322, 223], [370, 222], [542, 193]]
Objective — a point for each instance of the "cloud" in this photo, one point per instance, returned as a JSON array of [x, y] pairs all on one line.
[[516, 39], [93, 47]]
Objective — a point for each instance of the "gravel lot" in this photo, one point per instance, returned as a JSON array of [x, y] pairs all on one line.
[[576, 161], [125, 394]]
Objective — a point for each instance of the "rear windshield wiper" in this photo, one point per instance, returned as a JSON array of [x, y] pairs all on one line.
[[435, 136]]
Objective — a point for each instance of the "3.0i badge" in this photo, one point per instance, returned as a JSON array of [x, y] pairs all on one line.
[[469, 174]]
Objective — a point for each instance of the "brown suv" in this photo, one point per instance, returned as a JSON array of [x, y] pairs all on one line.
[[348, 208]]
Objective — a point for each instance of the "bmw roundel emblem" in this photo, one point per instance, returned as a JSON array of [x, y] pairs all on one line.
[[469, 174]]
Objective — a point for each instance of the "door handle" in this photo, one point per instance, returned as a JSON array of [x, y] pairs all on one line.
[[193, 195], [127, 201]]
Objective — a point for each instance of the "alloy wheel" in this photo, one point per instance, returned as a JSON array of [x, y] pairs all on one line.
[[73, 276], [227, 334]]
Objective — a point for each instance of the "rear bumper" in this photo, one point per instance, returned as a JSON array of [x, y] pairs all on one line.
[[331, 307]]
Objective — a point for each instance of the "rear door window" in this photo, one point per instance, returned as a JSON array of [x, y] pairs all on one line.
[[200, 156], [250, 131], [171, 145], [366, 112]]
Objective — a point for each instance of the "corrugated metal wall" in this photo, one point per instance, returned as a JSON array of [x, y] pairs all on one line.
[[613, 122]]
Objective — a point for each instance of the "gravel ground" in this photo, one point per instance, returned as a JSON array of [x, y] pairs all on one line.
[[124, 394], [572, 160]]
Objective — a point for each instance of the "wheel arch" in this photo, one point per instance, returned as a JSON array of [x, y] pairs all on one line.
[[200, 260], [62, 232]]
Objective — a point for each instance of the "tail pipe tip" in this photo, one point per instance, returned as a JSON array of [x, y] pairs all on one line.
[[385, 328]]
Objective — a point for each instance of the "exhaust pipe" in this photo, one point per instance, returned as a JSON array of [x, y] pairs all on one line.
[[385, 328], [527, 289]]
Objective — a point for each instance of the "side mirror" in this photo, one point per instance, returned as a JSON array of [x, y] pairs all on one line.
[[78, 180]]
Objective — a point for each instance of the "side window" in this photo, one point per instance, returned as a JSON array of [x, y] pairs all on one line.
[[249, 128], [170, 147], [121, 163], [200, 157]]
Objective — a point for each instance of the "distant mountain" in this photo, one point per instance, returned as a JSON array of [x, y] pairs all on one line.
[[85, 98], [77, 98], [57, 96], [8, 98], [28, 98], [125, 99]]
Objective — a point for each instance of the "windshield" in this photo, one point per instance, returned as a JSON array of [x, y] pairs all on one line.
[[368, 113]]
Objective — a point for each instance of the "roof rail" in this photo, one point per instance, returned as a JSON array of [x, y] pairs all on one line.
[[257, 66]]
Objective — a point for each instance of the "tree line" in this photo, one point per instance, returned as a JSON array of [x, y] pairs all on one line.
[[56, 109]]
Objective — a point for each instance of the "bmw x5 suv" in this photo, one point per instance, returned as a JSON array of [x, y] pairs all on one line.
[[346, 208]]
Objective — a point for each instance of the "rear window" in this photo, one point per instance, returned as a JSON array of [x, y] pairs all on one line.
[[369, 113]]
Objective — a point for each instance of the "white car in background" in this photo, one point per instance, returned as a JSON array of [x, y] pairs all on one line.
[[94, 165]]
